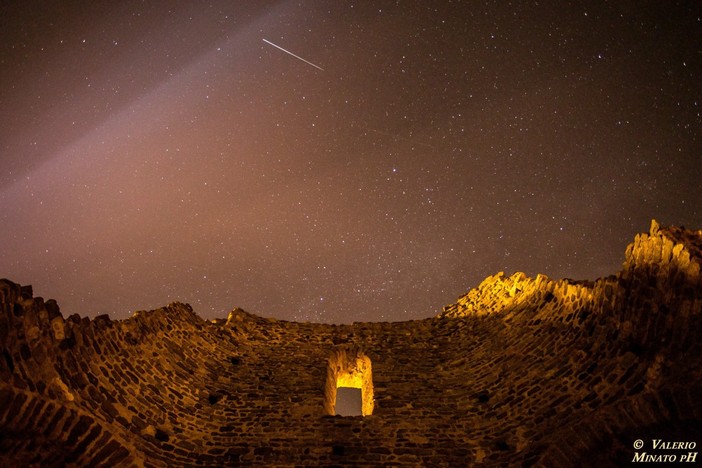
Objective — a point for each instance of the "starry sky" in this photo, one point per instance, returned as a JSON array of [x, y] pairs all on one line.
[[159, 151]]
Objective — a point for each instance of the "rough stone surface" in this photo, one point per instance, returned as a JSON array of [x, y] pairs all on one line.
[[520, 371]]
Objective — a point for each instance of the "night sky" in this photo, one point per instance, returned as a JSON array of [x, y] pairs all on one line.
[[160, 151]]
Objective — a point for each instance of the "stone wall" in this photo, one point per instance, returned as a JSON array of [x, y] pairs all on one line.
[[519, 371]]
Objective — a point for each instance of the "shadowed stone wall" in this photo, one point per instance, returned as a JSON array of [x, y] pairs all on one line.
[[519, 371]]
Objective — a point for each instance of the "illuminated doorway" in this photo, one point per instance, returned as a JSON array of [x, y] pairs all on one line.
[[349, 388]]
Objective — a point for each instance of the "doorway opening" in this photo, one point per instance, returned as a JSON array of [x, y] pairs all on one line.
[[349, 388], [349, 401]]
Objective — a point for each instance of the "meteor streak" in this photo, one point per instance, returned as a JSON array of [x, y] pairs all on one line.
[[288, 52]]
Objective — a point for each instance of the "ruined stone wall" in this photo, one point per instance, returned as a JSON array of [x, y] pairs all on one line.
[[519, 371]]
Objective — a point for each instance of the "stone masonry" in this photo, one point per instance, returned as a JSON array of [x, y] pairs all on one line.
[[520, 371]]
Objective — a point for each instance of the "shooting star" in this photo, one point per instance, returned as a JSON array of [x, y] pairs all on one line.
[[288, 52]]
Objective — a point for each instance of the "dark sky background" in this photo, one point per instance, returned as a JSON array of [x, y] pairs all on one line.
[[159, 151]]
